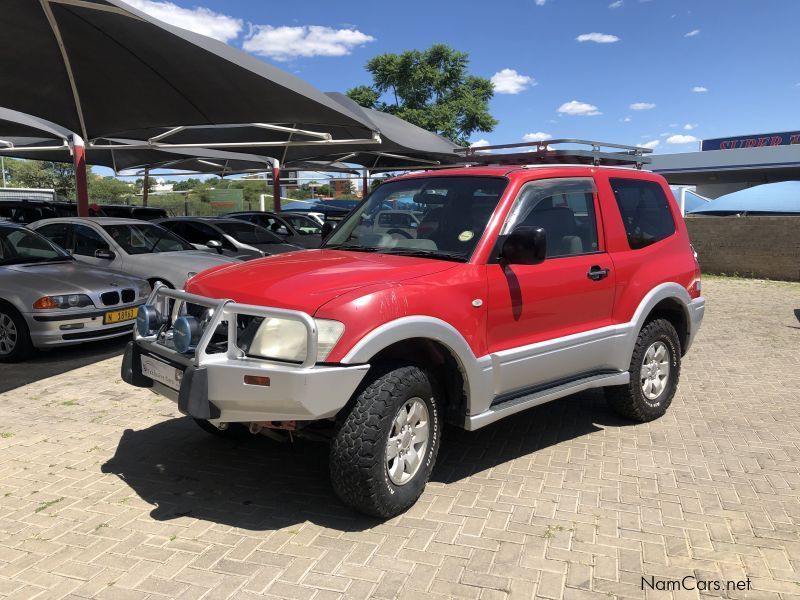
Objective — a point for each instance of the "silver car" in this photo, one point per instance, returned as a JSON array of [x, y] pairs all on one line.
[[134, 247], [47, 298]]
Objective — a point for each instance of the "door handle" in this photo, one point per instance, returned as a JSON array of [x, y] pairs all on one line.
[[596, 273]]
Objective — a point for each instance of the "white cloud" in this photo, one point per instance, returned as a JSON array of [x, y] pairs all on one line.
[[285, 43], [690, 126], [538, 136], [681, 139], [699, 89], [508, 81], [540, 2], [626, 120], [199, 19], [642, 106], [480, 144], [651, 144], [692, 33], [598, 38], [616, 4], [573, 107]]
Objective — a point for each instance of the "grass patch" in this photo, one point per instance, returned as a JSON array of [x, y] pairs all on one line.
[[551, 531], [6, 434], [46, 505], [69, 403]]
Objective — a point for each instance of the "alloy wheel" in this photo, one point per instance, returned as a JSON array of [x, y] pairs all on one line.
[[408, 441], [655, 370], [8, 335]]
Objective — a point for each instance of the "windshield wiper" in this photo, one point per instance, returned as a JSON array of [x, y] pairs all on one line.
[[352, 247], [421, 252]]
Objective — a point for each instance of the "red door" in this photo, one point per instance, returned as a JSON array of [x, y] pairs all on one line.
[[543, 319]]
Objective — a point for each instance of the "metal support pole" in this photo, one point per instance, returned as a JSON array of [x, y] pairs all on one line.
[[146, 186], [3, 169], [365, 184], [276, 187], [81, 184]]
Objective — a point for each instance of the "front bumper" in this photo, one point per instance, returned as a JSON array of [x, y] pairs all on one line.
[[65, 328], [212, 385], [697, 309]]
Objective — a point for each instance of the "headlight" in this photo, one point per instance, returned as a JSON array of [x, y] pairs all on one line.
[[283, 339], [65, 301], [144, 290], [148, 320], [186, 333]]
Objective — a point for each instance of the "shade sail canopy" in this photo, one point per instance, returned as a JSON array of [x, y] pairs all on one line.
[[773, 198], [103, 69]]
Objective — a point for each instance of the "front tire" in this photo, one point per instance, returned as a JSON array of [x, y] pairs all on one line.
[[15, 339], [655, 369], [385, 445]]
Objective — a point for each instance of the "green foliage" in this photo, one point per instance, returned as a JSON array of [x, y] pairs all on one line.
[[110, 190], [431, 89], [41, 174]]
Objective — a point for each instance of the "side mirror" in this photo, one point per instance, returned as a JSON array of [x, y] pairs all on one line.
[[215, 245], [327, 229], [105, 254], [524, 246]]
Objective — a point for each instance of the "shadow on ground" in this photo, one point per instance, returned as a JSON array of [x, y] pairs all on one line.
[[53, 362], [260, 484]]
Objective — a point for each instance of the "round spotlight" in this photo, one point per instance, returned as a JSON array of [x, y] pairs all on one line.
[[148, 320], [185, 333]]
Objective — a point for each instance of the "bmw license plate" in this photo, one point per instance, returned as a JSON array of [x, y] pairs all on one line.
[[161, 372], [118, 316]]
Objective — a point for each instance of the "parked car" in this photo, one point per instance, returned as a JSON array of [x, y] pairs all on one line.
[[49, 299], [229, 237], [396, 223], [292, 228], [130, 246], [129, 211], [25, 211], [536, 282]]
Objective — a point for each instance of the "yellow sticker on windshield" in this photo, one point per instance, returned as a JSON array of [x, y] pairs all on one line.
[[465, 236]]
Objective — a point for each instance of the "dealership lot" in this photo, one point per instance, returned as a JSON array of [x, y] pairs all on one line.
[[108, 492]]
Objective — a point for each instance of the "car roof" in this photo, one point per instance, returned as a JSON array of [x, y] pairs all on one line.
[[99, 220], [211, 220], [10, 225], [515, 171]]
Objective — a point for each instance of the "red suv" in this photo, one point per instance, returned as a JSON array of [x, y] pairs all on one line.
[[520, 284]]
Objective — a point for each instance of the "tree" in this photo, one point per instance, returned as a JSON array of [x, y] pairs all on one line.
[[431, 89], [110, 190], [41, 174]]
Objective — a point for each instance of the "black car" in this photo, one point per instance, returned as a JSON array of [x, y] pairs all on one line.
[[230, 237], [24, 212], [126, 211], [293, 228]]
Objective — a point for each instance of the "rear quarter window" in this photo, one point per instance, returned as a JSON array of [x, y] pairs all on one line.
[[645, 211]]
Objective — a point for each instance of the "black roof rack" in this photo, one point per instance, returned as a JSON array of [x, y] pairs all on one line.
[[544, 153]]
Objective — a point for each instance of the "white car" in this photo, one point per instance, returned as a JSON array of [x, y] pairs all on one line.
[[130, 246], [395, 223]]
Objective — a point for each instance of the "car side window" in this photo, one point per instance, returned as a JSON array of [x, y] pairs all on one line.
[[87, 241], [564, 208], [645, 211], [57, 233], [196, 233]]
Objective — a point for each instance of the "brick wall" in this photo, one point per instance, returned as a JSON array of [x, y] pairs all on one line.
[[767, 247]]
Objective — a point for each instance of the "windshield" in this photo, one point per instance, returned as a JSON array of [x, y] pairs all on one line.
[[248, 233], [440, 217], [146, 238], [24, 246], [303, 224]]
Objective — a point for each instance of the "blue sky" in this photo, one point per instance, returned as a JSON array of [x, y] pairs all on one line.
[[656, 56]]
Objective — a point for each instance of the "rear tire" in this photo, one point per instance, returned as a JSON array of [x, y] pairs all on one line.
[[655, 370], [15, 339], [385, 445]]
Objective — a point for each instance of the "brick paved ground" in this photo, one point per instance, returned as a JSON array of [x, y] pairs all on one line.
[[106, 493]]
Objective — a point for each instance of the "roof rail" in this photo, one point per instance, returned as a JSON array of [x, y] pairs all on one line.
[[543, 152]]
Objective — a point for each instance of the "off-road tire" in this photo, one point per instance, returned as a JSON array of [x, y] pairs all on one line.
[[629, 400], [358, 450], [23, 347]]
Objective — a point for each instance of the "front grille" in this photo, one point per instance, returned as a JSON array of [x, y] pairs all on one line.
[[128, 296], [109, 298]]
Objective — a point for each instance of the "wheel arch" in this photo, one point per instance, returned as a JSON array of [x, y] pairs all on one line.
[[427, 341], [669, 301]]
